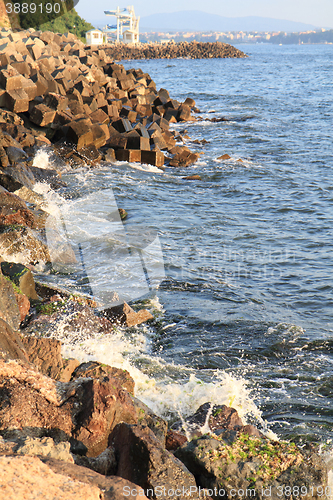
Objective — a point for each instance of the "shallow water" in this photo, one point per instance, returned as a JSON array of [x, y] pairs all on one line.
[[245, 307]]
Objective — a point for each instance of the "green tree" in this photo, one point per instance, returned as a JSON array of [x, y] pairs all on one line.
[[70, 22]]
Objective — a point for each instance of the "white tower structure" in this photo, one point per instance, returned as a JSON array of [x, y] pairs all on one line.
[[125, 19]]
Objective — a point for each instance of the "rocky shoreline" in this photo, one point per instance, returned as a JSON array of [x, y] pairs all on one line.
[[171, 50], [69, 429]]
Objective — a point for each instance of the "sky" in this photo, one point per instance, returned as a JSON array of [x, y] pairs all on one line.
[[316, 12]]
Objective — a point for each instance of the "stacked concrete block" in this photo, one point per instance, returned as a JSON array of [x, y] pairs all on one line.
[[86, 98]]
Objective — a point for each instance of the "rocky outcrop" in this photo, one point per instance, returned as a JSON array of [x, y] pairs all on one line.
[[190, 50], [213, 418], [142, 460], [233, 463], [85, 410]]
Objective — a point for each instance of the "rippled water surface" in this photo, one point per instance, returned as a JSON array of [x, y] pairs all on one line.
[[247, 250]]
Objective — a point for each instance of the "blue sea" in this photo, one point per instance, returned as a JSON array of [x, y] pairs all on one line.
[[244, 309]]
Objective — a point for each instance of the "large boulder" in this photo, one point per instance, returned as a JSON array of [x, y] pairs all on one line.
[[233, 463], [28, 478], [142, 459], [100, 371], [84, 410], [215, 418], [23, 243]]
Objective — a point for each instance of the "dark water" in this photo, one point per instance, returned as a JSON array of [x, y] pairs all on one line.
[[248, 250]]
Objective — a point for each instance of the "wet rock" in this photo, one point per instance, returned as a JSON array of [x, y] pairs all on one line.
[[78, 321], [94, 369], [24, 244], [224, 157], [192, 178], [123, 214], [245, 463], [174, 440], [21, 173], [123, 314], [184, 159], [147, 417], [21, 217], [214, 417], [22, 277], [155, 158], [142, 460], [80, 133], [130, 155], [15, 154]]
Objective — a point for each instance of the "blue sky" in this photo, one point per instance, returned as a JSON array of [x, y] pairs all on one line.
[[316, 12]]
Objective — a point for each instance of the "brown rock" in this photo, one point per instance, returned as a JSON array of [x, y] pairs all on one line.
[[24, 244], [9, 310], [26, 477], [22, 277], [192, 178], [184, 159], [142, 460], [94, 369], [224, 157], [113, 487], [22, 217], [23, 305], [11, 346], [220, 417], [126, 316], [45, 355], [69, 366], [174, 440], [85, 409], [103, 405]]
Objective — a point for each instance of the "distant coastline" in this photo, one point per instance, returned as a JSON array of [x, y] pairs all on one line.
[[321, 36]]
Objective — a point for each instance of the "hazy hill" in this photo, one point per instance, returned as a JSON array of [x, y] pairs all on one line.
[[195, 20]]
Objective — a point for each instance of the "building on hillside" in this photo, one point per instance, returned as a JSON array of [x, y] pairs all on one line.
[[95, 37]]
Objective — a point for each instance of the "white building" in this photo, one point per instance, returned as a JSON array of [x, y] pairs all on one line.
[[95, 37], [127, 25]]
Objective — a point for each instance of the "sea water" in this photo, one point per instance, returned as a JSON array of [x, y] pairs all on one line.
[[243, 307]]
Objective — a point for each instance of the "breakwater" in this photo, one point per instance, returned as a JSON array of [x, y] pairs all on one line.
[[189, 50]]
